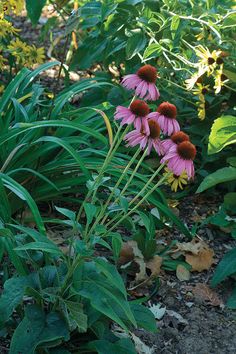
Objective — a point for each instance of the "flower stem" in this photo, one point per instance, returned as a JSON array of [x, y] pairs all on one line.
[[100, 174], [123, 174], [128, 182], [139, 194], [140, 202]]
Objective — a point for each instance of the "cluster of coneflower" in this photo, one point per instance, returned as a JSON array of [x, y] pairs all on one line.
[[176, 150]]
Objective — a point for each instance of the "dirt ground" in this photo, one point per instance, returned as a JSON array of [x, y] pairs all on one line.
[[202, 327]]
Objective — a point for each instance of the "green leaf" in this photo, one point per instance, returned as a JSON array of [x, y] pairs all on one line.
[[230, 75], [144, 317], [220, 176], [77, 314], [111, 274], [40, 246], [71, 215], [226, 267], [122, 346], [231, 303], [90, 211], [174, 25], [116, 241], [12, 295], [5, 207], [223, 133], [135, 43], [23, 194], [230, 20], [151, 49], [38, 330], [34, 9], [232, 161]]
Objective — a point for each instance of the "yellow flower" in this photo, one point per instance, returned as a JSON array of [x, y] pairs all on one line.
[[9, 6], [220, 80], [19, 50], [3, 62], [201, 107], [36, 55], [6, 28], [190, 83], [201, 89], [176, 181], [208, 59]]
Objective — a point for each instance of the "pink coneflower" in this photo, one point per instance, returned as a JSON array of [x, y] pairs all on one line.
[[143, 82], [166, 117], [180, 158], [146, 138], [174, 140], [137, 113]]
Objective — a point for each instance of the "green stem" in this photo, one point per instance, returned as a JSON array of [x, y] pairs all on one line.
[[140, 202], [101, 171], [139, 194], [128, 182], [112, 193]]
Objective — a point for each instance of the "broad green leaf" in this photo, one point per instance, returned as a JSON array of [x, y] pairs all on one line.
[[230, 74], [230, 20], [153, 48], [222, 175], [231, 303], [90, 211], [135, 43], [77, 314], [12, 295], [223, 133], [66, 212], [232, 161], [38, 330], [34, 9], [122, 346], [144, 317], [111, 274], [225, 268], [40, 246]]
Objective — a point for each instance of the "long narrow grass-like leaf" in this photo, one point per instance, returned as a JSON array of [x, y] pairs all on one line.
[[24, 195], [69, 148]]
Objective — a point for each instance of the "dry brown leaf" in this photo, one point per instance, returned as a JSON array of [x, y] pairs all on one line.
[[203, 292], [201, 261], [155, 265], [194, 246], [197, 254], [182, 273], [131, 253], [126, 253]]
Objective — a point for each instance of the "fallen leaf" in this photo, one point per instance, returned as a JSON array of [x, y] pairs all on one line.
[[194, 246], [157, 311], [182, 273], [197, 254], [126, 253], [141, 347], [203, 292], [155, 265], [176, 315], [201, 261]]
